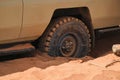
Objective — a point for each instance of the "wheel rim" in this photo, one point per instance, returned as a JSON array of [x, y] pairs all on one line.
[[68, 46]]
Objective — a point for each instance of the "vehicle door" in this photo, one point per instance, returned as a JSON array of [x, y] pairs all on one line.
[[10, 19]]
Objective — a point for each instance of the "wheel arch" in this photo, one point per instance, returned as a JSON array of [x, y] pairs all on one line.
[[82, 13]]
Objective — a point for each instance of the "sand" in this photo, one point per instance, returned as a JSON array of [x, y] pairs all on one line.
[[44, 67]]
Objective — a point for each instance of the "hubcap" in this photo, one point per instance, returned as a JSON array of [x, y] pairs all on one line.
[[68, 46]]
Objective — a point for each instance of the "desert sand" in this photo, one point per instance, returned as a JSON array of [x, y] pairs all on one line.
[[45, 67]]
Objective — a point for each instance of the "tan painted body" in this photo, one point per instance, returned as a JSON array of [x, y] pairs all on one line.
[[22, 20]]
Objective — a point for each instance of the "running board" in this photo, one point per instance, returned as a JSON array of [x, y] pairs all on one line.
[[107, 31], [17, 49]]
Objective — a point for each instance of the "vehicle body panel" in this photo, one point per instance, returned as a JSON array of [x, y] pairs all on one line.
[[10, 19], [37, 14]]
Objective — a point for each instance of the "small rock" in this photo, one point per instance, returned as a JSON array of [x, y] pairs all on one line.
[[116, 49]]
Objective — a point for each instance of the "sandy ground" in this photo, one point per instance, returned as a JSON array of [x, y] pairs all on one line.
[[44, 67]]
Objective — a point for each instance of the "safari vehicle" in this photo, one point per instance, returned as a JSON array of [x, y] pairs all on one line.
[[58, 27]]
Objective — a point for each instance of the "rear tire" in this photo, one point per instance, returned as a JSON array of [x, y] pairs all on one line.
[[66, 36]]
